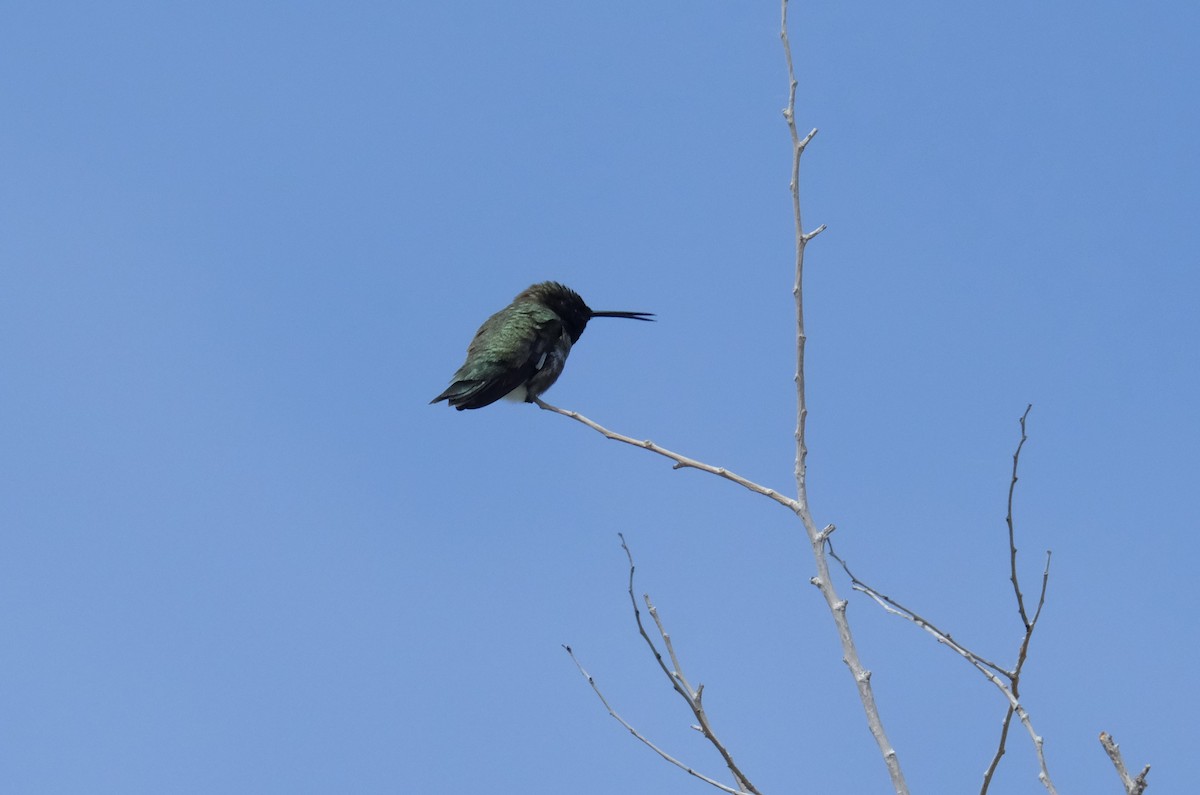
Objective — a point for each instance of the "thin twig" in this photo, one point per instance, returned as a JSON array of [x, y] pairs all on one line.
[[1016, 681], [1012, 543], [798, 146], [994, 672], [1133, 786], [895, 608], [681, 461], [990, 670], [641, 737], [1005, 725], [694, 698], [676, 667], [1029, 623]]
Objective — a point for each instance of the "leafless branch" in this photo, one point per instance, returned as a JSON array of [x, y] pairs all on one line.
[[674, 673], [1012, 542], [1005, 725], [681, 461], [817, 538], [798, 146], [641, 737], [895, 608], [1015, 679], [1133, 786], [1028, 623], [995, 673]]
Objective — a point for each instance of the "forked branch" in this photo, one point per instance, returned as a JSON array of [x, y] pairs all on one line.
[[1133, 785], [641, 737], [1028, 622], [799, 505], [694, 697], [1007, 681], [817, 538]]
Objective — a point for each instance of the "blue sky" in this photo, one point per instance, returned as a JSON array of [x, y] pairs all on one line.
[[243, 244]]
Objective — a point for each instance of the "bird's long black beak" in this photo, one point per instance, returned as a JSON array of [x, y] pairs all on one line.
[[648, 316]]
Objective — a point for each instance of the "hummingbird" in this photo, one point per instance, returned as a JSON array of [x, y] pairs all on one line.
[[520, 351]]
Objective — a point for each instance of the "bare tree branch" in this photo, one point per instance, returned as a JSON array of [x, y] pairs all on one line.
[[1005, 680], [823, 579], [1133, 786], [1008, 519], [1026, 621], [693, 697], [681, 461], [798, 146], [991, 670], [895, 608], [817, 538], [674, 674], [641, 737]]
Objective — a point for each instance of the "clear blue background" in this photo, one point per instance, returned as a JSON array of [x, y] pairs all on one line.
[[242, 245]]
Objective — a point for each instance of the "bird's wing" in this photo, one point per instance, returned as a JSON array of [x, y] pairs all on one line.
[[492, 372]]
